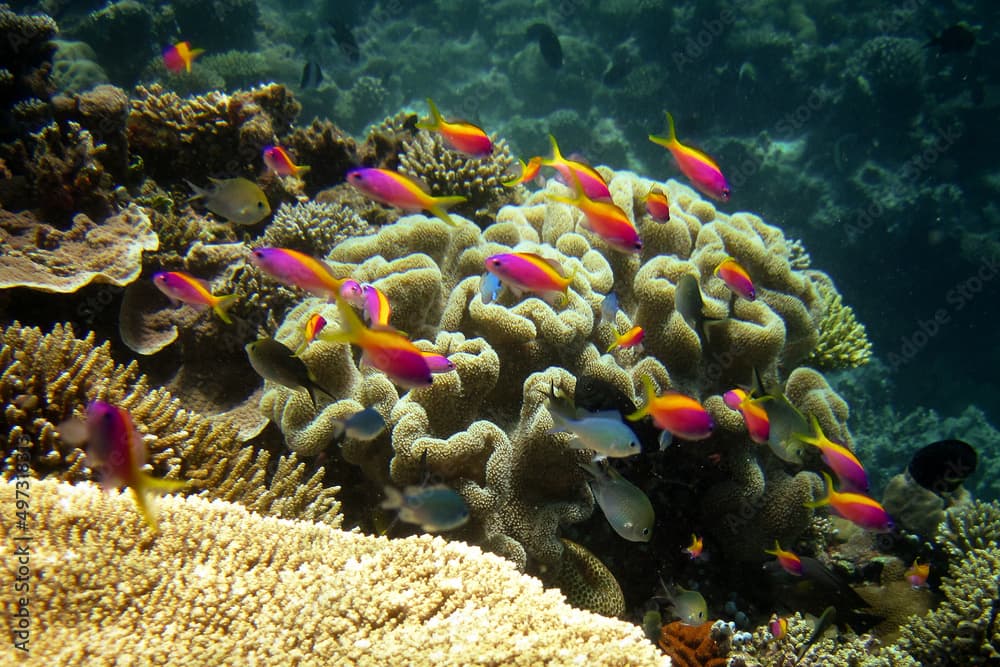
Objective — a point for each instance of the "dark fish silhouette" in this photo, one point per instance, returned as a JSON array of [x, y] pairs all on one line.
[[942, 466], [953, 39], [312, 75], [548, 43], [344, 37]]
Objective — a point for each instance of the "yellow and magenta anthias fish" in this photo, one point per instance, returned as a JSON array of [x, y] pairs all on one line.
[[528, 172], [778, 627], [857, 508], [385, 349], [680, 415], [530, 272], [458, 135], [178, 58], [313, 326], [182, 287], [842, 461], [917, 575], [297, 269], [701, 170], [393, 189], [114, 444], [280, 162], [736, 278], [631, 338], [592, 183], [657, 204], [789, 560], [754, 416], [605, 219], [696, 548]]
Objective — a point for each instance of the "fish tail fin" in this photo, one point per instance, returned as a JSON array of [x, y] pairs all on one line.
[[393, 498], [302, 169], [148, 485], [198, 192], [815, 437], [352, 329], [825, 500], [440, 208], [434, 123], [671, 138], [617, 342], [222, 305], [517, 179], [647, 383], [315, 388], [556, 155], [145, 506]]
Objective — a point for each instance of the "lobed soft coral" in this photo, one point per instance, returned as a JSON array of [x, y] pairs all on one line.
[[483, 428]]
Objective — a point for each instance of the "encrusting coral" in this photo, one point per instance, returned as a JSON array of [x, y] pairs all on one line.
[[42, 257], [47, 379], [223, 586]]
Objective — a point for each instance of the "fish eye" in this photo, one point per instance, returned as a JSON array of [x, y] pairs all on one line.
[[645, 531], [495, 262], [260, 204], [638, 245]]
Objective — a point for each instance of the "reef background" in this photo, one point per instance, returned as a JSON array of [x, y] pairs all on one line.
[[833, 121]]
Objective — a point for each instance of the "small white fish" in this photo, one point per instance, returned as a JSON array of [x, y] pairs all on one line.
[[609, 309], [365, 424], [434, 508], [489, 287], [603, 432], [624, 504]]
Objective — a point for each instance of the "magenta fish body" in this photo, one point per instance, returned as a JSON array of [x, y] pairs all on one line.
[[297, 269]]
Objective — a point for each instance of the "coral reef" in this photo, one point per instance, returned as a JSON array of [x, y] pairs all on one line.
[[843, 342], [489, 438], [209, 135], [48, 379], [692, 645], [255, 589], [119, 32], [58, 171], [326, 149], [312, 227], [845, 650], [26, 72], [42, 257], [75, 68], [448, 172]]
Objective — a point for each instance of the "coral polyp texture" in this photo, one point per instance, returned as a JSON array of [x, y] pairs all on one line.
[[483, 428], [249, 589], [47, 380]]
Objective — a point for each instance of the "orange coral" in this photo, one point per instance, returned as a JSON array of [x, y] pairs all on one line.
[[691, 645]]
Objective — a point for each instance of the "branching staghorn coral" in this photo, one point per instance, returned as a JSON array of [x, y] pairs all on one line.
[[843, 342], [252, 589], [47, 379]]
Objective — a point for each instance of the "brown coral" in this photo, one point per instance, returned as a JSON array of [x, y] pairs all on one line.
[[45, 258], [48, 379], [691, 645], [207, 135], [448, 172]]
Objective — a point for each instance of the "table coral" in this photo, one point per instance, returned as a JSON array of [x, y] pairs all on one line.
[[42, 257], [249, 590]]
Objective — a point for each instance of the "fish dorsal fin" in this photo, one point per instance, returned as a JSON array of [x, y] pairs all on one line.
[[554, 263], [600, 414]]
